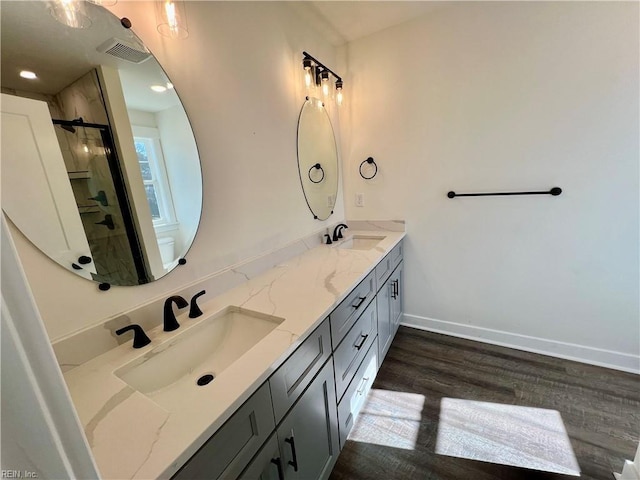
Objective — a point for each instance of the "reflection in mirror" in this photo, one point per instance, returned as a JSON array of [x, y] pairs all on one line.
[[317, 158], [100, 168]]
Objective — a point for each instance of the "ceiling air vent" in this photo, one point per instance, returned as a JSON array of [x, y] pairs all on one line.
[[124, 50]]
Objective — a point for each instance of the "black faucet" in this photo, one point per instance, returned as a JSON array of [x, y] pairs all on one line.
[[170, 322], [140, 338], [195, 311], [337, 232], [329, 242]]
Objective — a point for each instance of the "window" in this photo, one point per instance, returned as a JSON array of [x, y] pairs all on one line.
[[154, 175]]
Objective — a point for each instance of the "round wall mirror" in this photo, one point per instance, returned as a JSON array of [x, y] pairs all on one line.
[[317, 159], [100, 168]]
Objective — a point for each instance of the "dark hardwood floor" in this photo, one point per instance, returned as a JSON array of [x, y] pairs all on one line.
[[600, 408]]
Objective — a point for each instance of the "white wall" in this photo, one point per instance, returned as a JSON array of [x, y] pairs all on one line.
[[41, 431], [237, 75], [142, 119], [508, 96], [183, 172]]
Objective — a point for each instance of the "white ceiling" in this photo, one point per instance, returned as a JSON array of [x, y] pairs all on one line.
[[345, 21], [31, 39]]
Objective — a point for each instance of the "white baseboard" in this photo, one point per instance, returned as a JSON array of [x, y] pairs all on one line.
[[569, 351]]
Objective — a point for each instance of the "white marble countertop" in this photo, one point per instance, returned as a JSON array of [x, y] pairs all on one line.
[[132, 437]]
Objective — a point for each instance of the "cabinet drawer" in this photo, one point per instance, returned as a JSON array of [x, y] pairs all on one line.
[[229, 450], [346, 314], [290, 380], [349, 354], [387, 265], [356, 393]]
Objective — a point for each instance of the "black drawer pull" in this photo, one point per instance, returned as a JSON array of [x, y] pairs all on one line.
[[364, 339], [362, 299], [394, 289], [294, 461], [278, 463]]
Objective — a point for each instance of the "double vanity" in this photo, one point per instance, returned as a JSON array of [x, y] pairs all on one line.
[[265, 384], [267, 379]]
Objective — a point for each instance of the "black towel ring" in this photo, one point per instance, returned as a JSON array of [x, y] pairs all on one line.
[[370, 161], [317, 166]]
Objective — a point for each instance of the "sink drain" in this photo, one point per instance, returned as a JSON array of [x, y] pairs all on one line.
[[205, 379]]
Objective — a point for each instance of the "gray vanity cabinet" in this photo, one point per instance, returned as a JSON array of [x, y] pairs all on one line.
[[306, 444], [293, 376], [293, 427], [385, 328], [389, 299], [308, 435], [389, 302], [349, 354], [354, 397], [267, 464], [228, 451], [350, 309], [396, 296], [388, 264]]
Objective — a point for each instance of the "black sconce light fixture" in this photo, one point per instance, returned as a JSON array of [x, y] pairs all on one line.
[[317, 75]]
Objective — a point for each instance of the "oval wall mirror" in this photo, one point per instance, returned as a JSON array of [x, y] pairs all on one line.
[[100, 169], [317, 159]]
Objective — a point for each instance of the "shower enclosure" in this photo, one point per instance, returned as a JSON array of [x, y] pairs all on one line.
[[101, 196]]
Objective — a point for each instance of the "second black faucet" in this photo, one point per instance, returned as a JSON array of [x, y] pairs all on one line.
[[170, 322], [337, 232]]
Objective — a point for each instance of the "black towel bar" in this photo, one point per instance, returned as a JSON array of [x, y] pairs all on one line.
[[555, 191]]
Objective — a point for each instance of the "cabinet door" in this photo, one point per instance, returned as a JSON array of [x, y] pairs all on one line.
[[267, 464], [385, 325], [396, 297], [308, 435]]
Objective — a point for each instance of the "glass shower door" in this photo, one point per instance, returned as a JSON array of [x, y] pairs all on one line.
[[101, 197]]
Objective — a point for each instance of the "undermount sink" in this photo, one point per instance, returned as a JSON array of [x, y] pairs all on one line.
[[197, 355], [360, 242]]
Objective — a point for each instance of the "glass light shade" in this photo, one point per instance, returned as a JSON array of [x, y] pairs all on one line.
[[324, 84], [339, 94], [172, 19], [307, 77], [71, 13]]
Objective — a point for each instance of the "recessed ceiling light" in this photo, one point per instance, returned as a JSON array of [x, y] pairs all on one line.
[[28, 75], [169, 85], [158, 88]]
